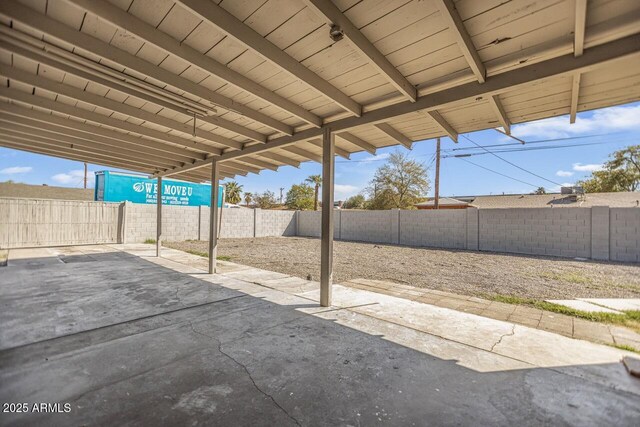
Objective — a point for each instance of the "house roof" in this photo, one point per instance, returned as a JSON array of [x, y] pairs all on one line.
[[618, 200], [164, 87]]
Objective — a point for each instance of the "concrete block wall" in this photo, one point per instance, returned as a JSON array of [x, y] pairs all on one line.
[[624, 236], [435, 228], [275, 223], [562, 232], [236, 223], [192, 223], [599, 232], [367, 226], [178, 222]]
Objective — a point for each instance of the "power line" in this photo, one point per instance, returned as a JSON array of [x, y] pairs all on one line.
[[515, 150], [512, 164], [498, 173]]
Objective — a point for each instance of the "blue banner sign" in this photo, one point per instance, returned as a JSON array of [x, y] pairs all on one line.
[[120, 187]]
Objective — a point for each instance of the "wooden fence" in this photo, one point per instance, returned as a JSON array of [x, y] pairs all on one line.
[[37, 222]]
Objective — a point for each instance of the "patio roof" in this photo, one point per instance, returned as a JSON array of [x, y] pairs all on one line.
[[261, 79], [213, 89]]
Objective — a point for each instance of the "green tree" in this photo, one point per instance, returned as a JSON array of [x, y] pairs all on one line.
[[354, 202], [621, 173], [248, 198], [316, 180], [540, 190], [399, 183], [300, 197], [233, 191], [266, 200]]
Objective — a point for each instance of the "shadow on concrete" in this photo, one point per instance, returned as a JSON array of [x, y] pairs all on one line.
[[127, 341]]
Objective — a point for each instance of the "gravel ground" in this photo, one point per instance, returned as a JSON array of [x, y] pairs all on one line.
[[462, 272]]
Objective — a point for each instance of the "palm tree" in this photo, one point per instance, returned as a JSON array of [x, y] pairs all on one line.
[[248, 197], [316, 180], [233, 190]]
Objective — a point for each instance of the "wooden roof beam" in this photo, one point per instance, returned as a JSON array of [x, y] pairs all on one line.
[[498, 110], [150, 34], [349, 137], [394, 134], [575, 96], [115, 106], [280, 158], [14, 10], [252, 161], [444, 125], [339, 151], [15, 129], [578, 50], [236, 29], [580, 27], [593, 59], [452, 18], [333, 16], [303, 153], [36, 101], [68, 153], [73, 127]]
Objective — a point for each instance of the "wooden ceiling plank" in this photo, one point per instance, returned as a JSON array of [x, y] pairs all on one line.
[[100, 101], [8, 123], [18, 12], [45, 120], [80, 113], [150, 34], [233, 27], [333, 16]]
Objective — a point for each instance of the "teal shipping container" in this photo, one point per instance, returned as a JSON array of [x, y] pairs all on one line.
[[120, 187]]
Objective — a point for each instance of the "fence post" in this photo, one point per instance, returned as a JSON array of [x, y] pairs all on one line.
[[256, 221], [199, 222], [122, 232]]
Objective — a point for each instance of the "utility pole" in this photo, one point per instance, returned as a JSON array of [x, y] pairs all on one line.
[[436, 200], [281, 188], [85, 175]]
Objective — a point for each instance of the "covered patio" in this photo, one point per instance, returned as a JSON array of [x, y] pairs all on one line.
[[125, 337], [204, 90]]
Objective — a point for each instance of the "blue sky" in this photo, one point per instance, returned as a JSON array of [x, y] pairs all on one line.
[[605, 131]]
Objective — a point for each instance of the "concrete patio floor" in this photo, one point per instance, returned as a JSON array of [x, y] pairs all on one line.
[[127, 338]]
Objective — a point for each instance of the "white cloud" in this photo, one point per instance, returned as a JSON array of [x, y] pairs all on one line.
[[74, 177], [344, 191], [614, 119], [579, 167], [16, 170], [377, 157], [564, 173]]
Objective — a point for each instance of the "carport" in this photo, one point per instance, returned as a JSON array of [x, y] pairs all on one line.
[[202, 91]]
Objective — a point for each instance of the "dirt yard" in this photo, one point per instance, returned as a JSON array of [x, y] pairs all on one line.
[[462, 272]]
